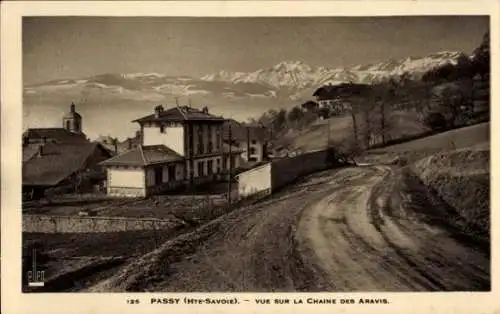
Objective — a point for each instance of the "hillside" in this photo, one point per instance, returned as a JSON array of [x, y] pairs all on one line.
[[315, 136], [455, 139]]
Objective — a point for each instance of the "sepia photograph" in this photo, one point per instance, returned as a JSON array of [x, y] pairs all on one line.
[[256, 154]]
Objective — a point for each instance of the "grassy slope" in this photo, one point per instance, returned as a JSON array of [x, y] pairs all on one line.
[[462, 179], [456, 166], [315, 136], [459, 138], [475, 137]]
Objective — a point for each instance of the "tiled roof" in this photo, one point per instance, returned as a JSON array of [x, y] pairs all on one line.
[[59, 135], [344, 88], [29, 151], [57, 162], [180, 113], [143, 156]]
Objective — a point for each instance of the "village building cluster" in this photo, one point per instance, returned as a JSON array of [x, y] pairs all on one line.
[[175, 148]]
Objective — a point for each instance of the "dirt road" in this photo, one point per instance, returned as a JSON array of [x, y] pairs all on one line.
[[359, 246], [328, 233]]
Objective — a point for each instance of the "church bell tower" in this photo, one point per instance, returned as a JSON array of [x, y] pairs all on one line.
[[72, 121]]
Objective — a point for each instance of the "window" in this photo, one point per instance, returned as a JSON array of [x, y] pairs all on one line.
[[171, 173], [210, 167], [209, 135], [254, 142], [158, 175], [190, 140], [68, 125], [200, 139], [162, 129], [253, 151], [218, 165], [252, 159], [217, 138], [200, 168]]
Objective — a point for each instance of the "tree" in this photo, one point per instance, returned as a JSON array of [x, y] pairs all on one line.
[[324, 112], [464, 69], [451, 100], [310, 106], [114, 142], [436, 121], [280, 121], [481, 59], [295, 116]]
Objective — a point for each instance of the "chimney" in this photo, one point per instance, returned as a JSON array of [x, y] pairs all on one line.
[[248, 142], [42, 146], [72, 107], [158, 111], [205, 109]]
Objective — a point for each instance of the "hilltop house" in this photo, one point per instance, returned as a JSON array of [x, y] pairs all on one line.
[[61, 159], [252, 139], [180, 146], [334, 97]]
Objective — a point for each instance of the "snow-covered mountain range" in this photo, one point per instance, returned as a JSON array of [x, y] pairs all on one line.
[[296, 74], [236, 94], [287, 76]]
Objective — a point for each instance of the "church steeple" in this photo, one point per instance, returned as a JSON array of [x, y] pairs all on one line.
[[72, 121]]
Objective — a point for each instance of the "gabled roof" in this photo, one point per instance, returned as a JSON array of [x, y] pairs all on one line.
[[144, 156], [57, 162], [59, 135], [179, 114], [240, 131]]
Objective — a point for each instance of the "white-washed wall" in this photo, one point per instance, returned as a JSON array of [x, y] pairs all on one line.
[[173, 137], [126, 182], [254, 181]]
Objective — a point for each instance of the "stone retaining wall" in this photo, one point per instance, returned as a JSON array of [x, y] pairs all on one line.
[[72, 224]]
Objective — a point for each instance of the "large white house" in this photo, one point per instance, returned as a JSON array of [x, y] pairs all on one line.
[[181, 146]]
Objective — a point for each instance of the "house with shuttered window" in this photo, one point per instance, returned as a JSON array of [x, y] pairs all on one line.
[[180, 147]]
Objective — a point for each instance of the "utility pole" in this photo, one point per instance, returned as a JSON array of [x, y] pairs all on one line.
[[328, 137], [230, 169]]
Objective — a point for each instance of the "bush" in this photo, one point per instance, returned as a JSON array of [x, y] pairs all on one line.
[[436, 121]]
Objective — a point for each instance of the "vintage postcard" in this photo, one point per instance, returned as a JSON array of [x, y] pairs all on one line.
[[238, 156]]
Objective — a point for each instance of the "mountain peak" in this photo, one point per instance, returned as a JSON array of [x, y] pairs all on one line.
[[291, 65]]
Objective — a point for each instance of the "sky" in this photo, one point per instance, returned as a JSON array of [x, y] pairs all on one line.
[[73, 47]]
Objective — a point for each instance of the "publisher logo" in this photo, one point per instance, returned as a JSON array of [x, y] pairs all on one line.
[[36, 278]]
